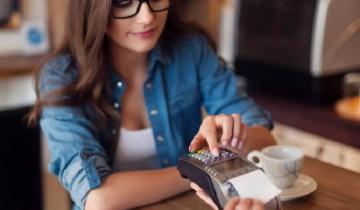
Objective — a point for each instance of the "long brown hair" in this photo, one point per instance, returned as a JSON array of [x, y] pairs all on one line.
[[85, 39]]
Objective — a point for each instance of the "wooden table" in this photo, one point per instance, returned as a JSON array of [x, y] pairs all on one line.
[[338, 189]]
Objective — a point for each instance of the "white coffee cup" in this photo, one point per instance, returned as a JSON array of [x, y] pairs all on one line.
[[281, 163]]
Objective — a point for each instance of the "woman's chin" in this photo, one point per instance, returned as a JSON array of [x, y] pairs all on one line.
[[142, 48]]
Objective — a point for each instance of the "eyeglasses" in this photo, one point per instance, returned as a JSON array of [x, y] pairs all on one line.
[[122, 9]]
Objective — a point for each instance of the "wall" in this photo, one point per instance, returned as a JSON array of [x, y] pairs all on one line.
[[207, 14], [57, 11]]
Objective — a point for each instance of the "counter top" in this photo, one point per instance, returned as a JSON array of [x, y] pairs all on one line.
[[16, 80], [16, 92], [19, 65], [319, 120]]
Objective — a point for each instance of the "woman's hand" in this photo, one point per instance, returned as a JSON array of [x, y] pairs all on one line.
[[228, 129], [244, 204], [203, 195], [233, 204]]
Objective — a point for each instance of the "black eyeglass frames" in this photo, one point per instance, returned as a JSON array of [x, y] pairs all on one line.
[[122, 9]]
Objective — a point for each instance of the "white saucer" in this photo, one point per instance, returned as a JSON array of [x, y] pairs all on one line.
[[304, 185]]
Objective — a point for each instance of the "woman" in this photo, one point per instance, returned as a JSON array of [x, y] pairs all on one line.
[[121, 101]]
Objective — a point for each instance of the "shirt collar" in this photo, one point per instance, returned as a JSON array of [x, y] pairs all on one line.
[[158, 54]]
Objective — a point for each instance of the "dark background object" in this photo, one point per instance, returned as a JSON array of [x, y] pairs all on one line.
[[289, 83], [277, 32], [275, 45], [20, 161], [6, 9]]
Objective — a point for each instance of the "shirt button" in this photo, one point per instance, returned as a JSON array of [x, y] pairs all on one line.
[[154, 112], [119, 84], [148, 86], [85, 155], [116, 105], [113, 131], [160, 139], [165, 162]]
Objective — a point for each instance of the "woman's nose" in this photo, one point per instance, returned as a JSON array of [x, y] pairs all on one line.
[[145, 15]]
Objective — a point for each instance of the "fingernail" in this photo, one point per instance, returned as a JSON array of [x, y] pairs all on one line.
[[241, 144], [224, 143], [215, 152], [234, 142], [190, 147]]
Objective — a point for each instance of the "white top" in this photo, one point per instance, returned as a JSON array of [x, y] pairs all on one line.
[[136, 150]]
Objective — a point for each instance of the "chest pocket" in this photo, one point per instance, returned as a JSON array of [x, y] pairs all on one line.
[[184, 100]]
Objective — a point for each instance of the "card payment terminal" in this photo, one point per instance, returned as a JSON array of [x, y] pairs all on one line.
[[212, 173]]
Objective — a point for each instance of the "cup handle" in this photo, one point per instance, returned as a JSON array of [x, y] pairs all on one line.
[[255, 154]]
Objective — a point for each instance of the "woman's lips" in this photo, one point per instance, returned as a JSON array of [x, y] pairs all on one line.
[[145, 34]]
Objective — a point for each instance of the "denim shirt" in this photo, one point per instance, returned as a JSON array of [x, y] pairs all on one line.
[[180, 81]]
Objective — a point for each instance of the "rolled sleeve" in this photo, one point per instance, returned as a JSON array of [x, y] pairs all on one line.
[[77, 158]]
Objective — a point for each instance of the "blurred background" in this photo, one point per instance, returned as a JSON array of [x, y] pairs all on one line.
[[299, 59]]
